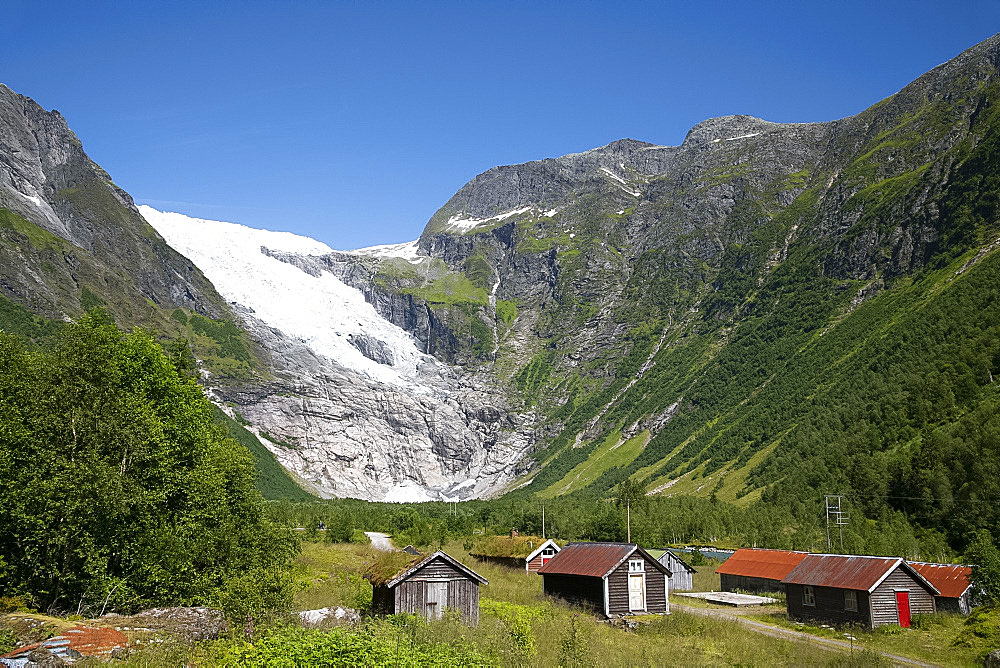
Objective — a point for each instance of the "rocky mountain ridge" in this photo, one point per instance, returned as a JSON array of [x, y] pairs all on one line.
[[614, 291]]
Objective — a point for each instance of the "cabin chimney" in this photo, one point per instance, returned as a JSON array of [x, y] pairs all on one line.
[[513, 533]]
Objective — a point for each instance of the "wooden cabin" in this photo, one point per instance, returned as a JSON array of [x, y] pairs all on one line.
[[520, 552], [758, 571], [613, 578], [847, 589], [681, 574], [427, 586], [954, 581]]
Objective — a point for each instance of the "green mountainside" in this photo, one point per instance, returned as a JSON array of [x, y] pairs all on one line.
[[72, 241], [765, 314]]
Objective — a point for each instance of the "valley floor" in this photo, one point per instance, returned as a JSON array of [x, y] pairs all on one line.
[[519, 626]]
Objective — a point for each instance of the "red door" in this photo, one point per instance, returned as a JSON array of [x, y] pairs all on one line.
[[903, 608]]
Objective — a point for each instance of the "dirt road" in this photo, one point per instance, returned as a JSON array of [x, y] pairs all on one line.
[[789, 634], [380, 541]]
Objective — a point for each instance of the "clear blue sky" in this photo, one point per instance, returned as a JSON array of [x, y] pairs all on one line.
[[353, 122]]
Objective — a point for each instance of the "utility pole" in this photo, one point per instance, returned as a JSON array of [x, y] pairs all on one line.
[[543, 521], [835, 512], [628, 520]]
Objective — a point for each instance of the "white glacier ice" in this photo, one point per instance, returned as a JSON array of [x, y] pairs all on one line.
[[321, 310]]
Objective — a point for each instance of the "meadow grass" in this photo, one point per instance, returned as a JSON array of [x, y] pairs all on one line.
[[519, 626], [931, 638]]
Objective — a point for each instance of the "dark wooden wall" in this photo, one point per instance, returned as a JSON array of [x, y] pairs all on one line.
[[829, 606], [577, 589], [656, 589], [884, 598], [744, 583], [945, 604], [410, 596]]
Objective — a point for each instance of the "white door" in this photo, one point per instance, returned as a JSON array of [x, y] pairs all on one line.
[[437, 598], [637, 591]]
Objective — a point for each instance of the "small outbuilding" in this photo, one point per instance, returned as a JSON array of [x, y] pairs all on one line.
[[426, 587], [757, 570], [850, 589], [954, 581], [527, 552], [681, 574], [613, 578]]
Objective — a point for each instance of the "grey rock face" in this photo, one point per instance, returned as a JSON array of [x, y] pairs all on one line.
[[347, 435], [47, 179]]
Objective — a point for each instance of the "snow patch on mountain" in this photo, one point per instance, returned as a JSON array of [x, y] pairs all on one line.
[[407, 251], [459, 224], [321, 311]]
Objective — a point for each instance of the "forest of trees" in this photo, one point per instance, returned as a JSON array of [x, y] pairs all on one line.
[[119, 489]]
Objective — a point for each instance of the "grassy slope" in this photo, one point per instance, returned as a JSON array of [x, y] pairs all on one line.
[[273, 480], [803, 383]]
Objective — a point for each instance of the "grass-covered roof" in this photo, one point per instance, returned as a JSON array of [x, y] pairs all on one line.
[[505, 546]]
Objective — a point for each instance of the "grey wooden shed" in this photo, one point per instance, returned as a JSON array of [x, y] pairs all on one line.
[[681, 573], [428, 587]]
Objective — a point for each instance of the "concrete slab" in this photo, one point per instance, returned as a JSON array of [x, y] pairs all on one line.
[[728, 598]]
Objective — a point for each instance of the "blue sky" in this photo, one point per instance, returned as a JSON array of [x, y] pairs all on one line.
[[353, 122]]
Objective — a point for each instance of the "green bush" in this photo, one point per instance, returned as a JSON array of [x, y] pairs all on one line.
[[376, 644], [118, 488]]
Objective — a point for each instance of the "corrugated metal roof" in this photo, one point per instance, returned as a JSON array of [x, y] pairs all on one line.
[[82, 640], [589, 559], [951, 579], [842, 571], [754, 563]]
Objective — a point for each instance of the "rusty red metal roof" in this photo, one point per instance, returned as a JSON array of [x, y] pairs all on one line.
[[74, 642], [768, 564], [845, 571], [594, 560], [589, 559], [950, 579]]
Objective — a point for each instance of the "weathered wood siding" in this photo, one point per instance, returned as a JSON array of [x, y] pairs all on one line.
[[410, 596], [656, 588], [744, 583], [578, 589], [681, 579], [884, 598], [535, 564], [829, 606]]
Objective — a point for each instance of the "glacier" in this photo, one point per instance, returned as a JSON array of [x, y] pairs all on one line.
[[392, 425], [321, 311]]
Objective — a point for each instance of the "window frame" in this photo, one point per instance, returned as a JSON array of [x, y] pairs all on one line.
[[636, 565], [808, 596], [850, 600]]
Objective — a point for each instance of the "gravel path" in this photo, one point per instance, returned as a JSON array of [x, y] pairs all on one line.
[[789, 634], [380, 541]]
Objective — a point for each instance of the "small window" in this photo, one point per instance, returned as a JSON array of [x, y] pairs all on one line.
[[636, 566], [851, 600], [808, 596]]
